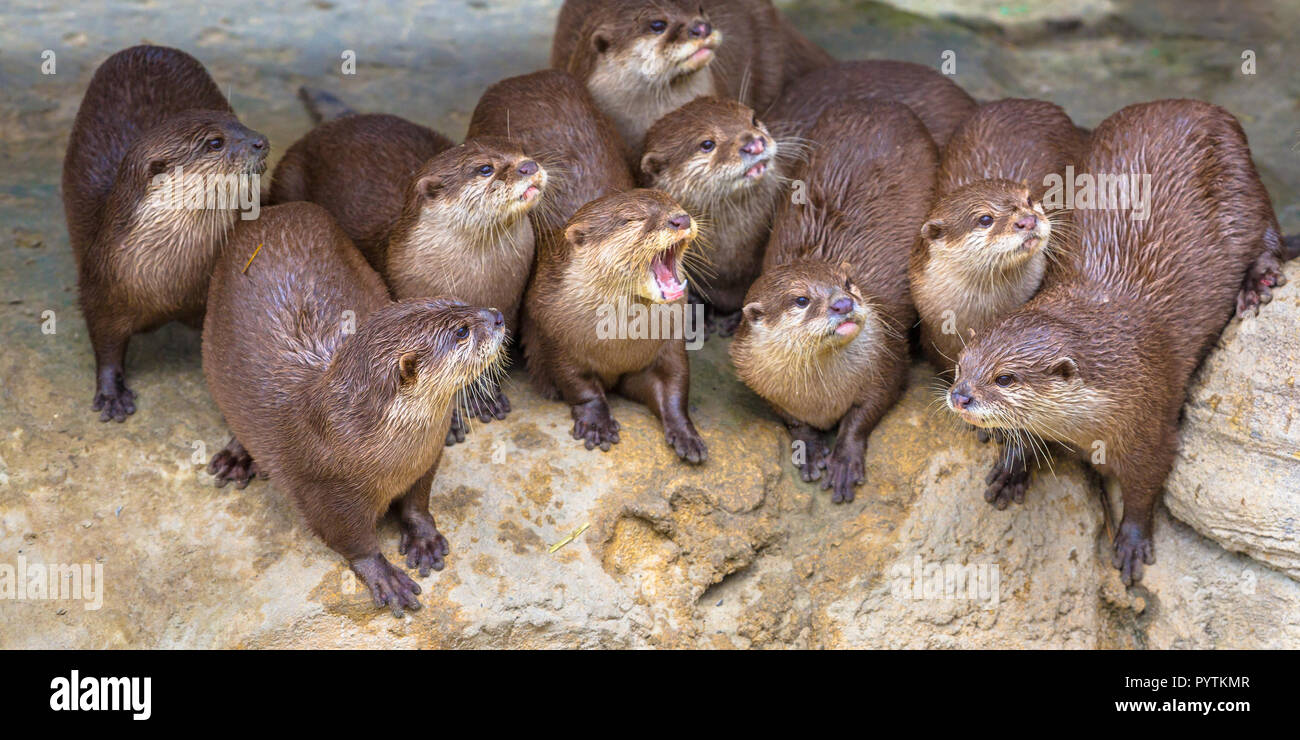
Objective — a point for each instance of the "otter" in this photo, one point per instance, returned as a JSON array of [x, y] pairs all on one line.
[[988, 238], [824, 333], [338, 393], [718, 160], [433, 218], [621, 253], [552, 116], [147, 177], [1100, 359], [642, 60], [939, 102]]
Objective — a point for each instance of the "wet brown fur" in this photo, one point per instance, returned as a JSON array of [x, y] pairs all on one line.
[[605, 247], [995, 164], [148, 109], [934, 98], [759, 54], [1101, 358], [735, 213], [870, 180], [346, 424]]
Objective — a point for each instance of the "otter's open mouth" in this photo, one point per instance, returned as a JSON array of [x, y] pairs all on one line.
[[663, 268], [757, 170], [1031, 242], [532, 191]]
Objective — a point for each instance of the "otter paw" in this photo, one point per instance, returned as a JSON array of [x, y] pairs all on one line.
[[843, 474], [234, 464], [494, 405], [424, 547], [388, 586], [1257, 289], [1133, 548], [1007, 481], [811, 459], [594, 426], [456, 432], [114, 404], [687, 443]]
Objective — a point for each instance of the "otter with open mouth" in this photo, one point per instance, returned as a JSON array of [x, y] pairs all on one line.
[[722, 164], [622, 252], [642, 60], [145, 230], [434, 220], [824, 334], [346, 417], [1100, 359]]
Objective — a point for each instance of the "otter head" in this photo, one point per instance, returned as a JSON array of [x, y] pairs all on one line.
[[806, 309], [632, 244], [415, 355], [1024, 374], [483, 184], [655, 43], [707, 150], [987, 226], [199, 142]]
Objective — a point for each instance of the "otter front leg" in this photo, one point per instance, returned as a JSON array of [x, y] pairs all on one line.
[[592, 421], [339, 519], [234, 464], [113, 399], [844, 464], [1009, 478], [664, 387], [485, 403], [423, 545], [808, 456], [1140, 486]]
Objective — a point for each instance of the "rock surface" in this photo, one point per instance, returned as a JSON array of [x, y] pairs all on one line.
[[737, 553], [1237, 478]]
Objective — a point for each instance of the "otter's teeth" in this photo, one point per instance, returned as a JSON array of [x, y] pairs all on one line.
[[664, 269]]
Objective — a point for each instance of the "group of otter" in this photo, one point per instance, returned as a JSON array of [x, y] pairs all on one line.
[[822, 210]]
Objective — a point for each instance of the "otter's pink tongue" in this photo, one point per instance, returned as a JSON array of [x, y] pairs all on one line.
[[846, 328], [664, 267]]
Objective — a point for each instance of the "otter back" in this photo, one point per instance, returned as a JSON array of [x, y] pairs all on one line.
[[935, 99]]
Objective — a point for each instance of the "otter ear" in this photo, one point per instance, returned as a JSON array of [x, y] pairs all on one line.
[[600, 43], [406, 366], [1065, 368], [932, 229], [652, 164], [576, 235], [430, 185], [753, 312]]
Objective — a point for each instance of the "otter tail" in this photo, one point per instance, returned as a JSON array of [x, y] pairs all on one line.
[[323, 106]]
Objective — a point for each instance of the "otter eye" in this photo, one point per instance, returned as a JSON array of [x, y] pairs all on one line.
[[1005, 379], [486, 170], [658, 26], [462, 332], [215, 143], [985, 220], [802, 301], [1029, 201], [707, 145]]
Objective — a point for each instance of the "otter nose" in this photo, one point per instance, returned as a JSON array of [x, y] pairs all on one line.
[[1027, 223], [496, 317], [701, 29], [680, 222], [756, 145], [528, 168], [842, 307], [961, 397]]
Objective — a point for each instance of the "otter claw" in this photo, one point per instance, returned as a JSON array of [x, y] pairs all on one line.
[[424, 547], [688, 444], [842, 475], [234, 464], [1008, 480], [593, 424], [388, 586]]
